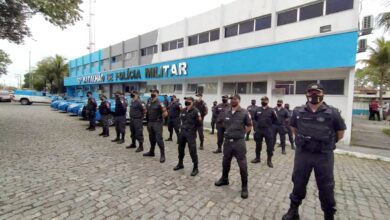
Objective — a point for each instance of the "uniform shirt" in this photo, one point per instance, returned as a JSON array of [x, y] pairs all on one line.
[[289, 116], [104, 108], [190, 119], [221, 108], [174, 109], [202, 107], [265, 117], [213, 110], [137, 109], [154, 111], [236, 122], [120, 107], [252, 110], [91, 106], [282, 114]]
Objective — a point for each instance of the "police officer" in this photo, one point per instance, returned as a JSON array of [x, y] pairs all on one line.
[[213, 116], [120, 117], [174, 109], [219, 114], [264, 119], [166, 103], [190, 118], [252, 110], [317, 127], [105, 111], [202, 107], [280, 127], [155, 114], [237, 122], [91, 112], [137, 112], [289, 130]]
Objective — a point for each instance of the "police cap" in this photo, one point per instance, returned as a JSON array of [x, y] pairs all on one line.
[[315, 86], [155, 90], [189, 98]]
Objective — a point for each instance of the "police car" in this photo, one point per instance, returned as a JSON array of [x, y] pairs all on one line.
[[28, 97]]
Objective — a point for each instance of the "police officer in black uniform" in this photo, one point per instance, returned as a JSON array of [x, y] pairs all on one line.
[[219, 114], [213, 116], [155, 114], [317, 127], [264, 119], [91, 112], [237, 122], [105, 111], [190, 119], [252, 110], [202, 107], [174, 109], [120, 117], [137, 113], [289, 130], [280, 127]]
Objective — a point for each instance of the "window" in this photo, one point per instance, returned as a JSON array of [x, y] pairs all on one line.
[[130, 55], [167, 88], [231, 31], [192, 87], [164, 47], [79, 69], [333, 6], [180, 43], [302, 85], [362, 45], [287, 17], [228, 88], [204, 37], [243, 88], [214, 35], [210, 88], [193, 40], [367, 22], [311, 11], [288, 86], [149, 87], [247, 26], [173, 45], [333, 87], [263, 22], [86, 67], [95, 64], [259, 88], [149, 50], [178, 87]]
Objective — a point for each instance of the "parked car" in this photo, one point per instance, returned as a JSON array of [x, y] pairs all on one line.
[[28, 97], [5, 96]]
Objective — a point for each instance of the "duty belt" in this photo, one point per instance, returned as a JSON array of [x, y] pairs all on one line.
[[233, 139]]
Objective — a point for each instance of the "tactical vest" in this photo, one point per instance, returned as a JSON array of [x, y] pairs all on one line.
[[103, 109], [154, 113], [136, 109]]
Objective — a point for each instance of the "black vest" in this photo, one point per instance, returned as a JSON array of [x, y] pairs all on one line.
[[154, 111], [136, 109]]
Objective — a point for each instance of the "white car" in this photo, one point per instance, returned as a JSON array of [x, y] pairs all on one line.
[[27, 97]]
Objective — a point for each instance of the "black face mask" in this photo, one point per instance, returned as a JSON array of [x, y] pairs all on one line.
[[153, 96], [132, 95], [279, 105], [234, 103], [264, 104], [315, 99], [187, 103], [253, 103], [287, 107], [224, 100]]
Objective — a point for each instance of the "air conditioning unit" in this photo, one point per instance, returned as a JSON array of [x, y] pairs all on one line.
[[279, 91]]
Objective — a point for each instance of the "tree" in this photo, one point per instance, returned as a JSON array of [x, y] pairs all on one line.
[[378, 64], [383, 21], [60, 69], [14, 15], [4, 62]]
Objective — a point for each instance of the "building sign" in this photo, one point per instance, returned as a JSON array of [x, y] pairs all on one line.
[[166, 71], [91, 79]]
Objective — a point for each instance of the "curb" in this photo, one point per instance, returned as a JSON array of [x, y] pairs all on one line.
[[362, 155]]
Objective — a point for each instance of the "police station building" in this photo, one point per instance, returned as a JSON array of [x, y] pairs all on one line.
[[257, 47]]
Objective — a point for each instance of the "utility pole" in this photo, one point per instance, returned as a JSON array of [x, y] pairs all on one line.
[[19, 77], [29, 70], [91, 25]]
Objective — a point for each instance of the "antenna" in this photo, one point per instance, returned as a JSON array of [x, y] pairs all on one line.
[[91, 26]]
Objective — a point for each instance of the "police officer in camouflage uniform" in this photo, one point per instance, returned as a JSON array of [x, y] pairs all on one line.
[[252, 110], [202, 107], [174, 109], [219, 114], [190, 119], [155, 113], [213, 116], [317, 127], [137, 112], [289, 130], [105, 111], [120, 117], [265, 118], [237, 122], [280, 127], [91, 112]]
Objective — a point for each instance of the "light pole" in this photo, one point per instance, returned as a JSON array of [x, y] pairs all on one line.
[[29, 70], [19, 77]]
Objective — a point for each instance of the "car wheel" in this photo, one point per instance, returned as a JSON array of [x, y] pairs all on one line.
[[24, 102], [110, 120]]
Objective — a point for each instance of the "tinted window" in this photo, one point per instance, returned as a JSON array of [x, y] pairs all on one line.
[[204, 38], [263, 22], [214, 35], [231, 31], [180, 43], [333, 6], [243, 88], [259, 88], [165, 47], [173, 45], [287, 17], [192, 87], [302, 85], [228, 88], [311, 11], [333, 87], [193, 40], [246, 27]]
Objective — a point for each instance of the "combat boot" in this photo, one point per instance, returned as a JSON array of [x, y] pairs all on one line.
[[179, 166], [222, 182], [283, 151], [201, 145], [140, 147], [195, 170], [106, 132], [116, 139], [132, 145], [218, 151], [103, 132], [292, 213], [162, 156], [269, 161], [149, 154], [256, 160], [292, 146], [244, 191], [169, 139], [122, 140], [328, 216]]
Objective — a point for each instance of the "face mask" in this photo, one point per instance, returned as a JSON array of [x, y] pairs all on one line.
[[315, 99], [224, 100], [279, 104], [153, 96], [253, 103], [287, 106], [187, 103], [264, 104], [233, 103], [132, 95]]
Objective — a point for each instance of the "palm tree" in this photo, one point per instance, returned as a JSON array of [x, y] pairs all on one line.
[[383, 21], [60, 70], [378, 63], [52, 71]]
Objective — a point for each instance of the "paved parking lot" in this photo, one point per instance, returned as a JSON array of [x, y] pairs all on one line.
[[51, 168]]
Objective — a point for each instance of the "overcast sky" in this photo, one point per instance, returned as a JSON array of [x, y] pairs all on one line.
[[116, 20]]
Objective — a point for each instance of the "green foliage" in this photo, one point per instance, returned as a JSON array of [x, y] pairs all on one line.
[[14, 15], [4, 62]]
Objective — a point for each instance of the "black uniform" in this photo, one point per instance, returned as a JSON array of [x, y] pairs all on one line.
[[105, 111], [136, 116], [280, 126], [252, 110], [213, 118], [264, 119], [289, 131], [174, 119], [154, 116], [221, 109], [91, 112], [120, 117], [234, 145], [190, 119], [315, 140], [202, 107]]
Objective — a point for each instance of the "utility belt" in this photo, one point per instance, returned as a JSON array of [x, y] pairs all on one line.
[[231, 140], [314, 145]]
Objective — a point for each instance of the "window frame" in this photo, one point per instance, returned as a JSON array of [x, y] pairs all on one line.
[[285, 12], [302, 8], [230, 26], [263, 17], [245, 22]]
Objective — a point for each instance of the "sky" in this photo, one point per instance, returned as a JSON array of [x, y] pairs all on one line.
[[116, 20]]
